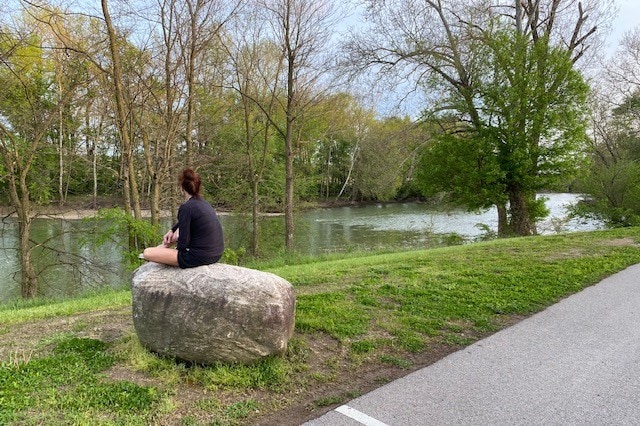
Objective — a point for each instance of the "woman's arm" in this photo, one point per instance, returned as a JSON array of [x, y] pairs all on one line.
[[183, 233], [170, 237]]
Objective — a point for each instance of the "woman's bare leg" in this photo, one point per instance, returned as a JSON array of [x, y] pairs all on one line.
[[161, 254]]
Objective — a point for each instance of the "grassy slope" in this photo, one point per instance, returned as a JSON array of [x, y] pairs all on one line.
[[374, 311]]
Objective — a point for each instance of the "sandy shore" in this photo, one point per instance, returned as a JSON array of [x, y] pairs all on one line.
[[71, 214]]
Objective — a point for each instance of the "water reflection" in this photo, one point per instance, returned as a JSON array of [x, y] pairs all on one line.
[[66, 258], [416, 225], [73, 262]]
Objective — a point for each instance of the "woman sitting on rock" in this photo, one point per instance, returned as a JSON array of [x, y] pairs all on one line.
[[198, 233]]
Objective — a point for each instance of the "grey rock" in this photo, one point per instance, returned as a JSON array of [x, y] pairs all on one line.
[[213, 313]]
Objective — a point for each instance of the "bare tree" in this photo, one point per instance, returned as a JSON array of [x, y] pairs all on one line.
[[257, 66], [123, 118], [203, 21], [302, 30], [621, 75], [188, 31]]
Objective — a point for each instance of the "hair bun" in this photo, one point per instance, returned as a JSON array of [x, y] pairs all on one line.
[[190, 182], [189, 174]]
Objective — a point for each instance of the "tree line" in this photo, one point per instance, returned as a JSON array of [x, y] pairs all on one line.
[[272, 103]]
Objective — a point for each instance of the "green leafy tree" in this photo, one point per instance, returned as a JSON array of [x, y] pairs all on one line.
[[385, 157], [109, 226], [30, 103], [339, 129], [464, 168], [531, 133], [503, 84], [612, 180]]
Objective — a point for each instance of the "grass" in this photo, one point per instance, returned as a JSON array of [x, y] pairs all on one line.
[[387, 311], [66, 387], [449, 291], [38, 309]]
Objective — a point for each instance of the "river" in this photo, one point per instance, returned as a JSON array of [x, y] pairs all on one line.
[[78, 264]]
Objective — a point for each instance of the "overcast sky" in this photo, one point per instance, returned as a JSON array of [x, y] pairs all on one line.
[[628, 18]]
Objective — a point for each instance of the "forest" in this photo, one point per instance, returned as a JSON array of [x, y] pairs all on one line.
[[280, 104]]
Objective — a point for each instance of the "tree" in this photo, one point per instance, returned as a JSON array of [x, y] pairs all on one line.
[[256, 65], [339, 128], [530, 138], [385, 157], [612, 180], [301, 29], [30, 103], [204, 22], [497, 79], [123, 117]]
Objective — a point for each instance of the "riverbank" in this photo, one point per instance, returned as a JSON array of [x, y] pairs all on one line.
[[85, 207], [73, 208], [360, 322], [318, 232]]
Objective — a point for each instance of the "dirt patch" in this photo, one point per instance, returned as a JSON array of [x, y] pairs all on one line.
[[122, 373], [35, 338], [319, 399], [620, 242], [576, 253], [569, 254]]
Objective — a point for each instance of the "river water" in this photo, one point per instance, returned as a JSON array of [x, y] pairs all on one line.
[[79, 264]]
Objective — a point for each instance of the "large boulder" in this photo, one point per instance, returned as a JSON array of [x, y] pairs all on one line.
[[213, 313]]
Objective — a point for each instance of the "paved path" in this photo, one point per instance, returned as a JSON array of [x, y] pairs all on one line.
[[576, 363]]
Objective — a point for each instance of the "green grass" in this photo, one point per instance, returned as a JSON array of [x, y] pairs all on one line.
[[66, 388], [383, 309], [415, 296], [39, 309]]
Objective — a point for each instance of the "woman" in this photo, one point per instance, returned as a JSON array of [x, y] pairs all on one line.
[[198, 233]]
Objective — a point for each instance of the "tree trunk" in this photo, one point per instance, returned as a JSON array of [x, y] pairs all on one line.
[[253, 173], [92, 156], [29, 285], [190, 68], [155, 184], [129, 190], [519, 211], [288, 136], [94, 168], [288, 207], [19, 194], [156, 191], [348, 178], [255, 232], [61, 191], [503, 221], [133, 179], [124, 176]]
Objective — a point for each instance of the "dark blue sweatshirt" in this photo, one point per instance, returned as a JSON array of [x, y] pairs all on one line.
[[200, 230]]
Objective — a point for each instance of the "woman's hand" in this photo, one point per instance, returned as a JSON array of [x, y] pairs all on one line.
[[170, 238]]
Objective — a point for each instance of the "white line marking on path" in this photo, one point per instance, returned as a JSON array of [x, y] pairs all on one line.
[[358, 416]]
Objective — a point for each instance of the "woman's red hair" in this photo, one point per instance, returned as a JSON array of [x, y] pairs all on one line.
[[190, 182]]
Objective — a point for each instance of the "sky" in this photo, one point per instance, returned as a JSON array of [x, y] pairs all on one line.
[[628, 18]]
